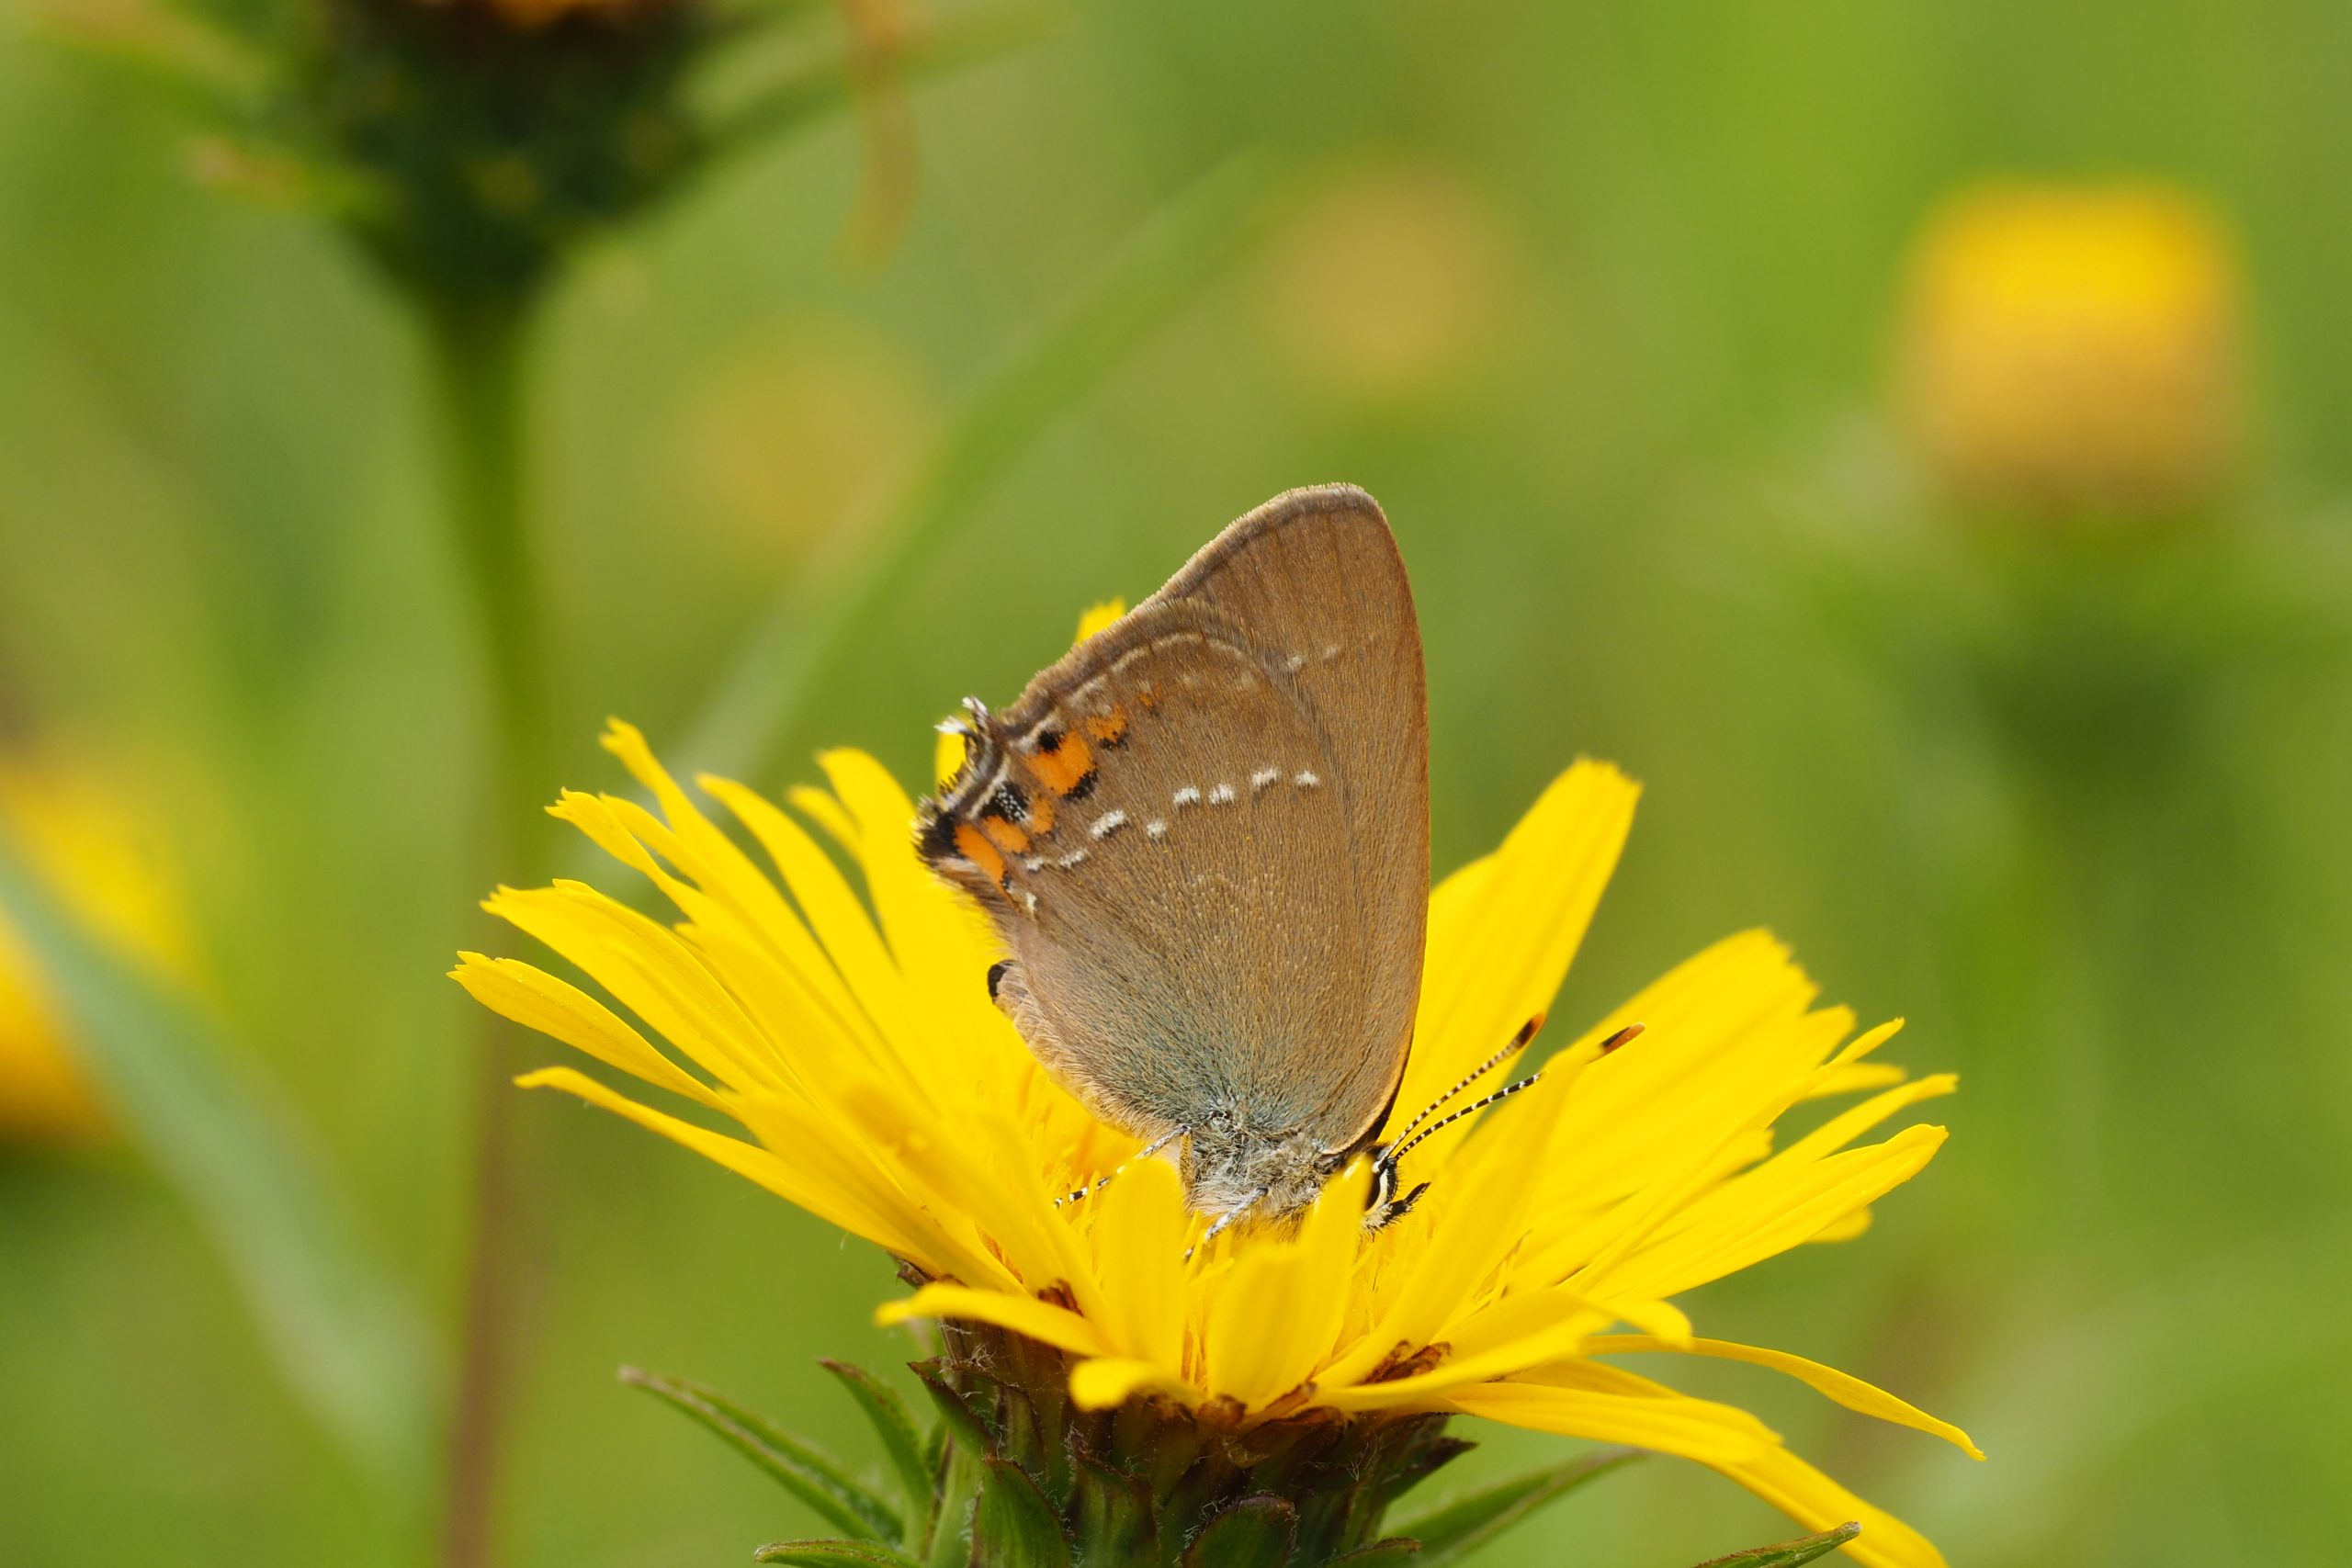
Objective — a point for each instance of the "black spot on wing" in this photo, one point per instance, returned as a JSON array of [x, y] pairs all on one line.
[[1010, 802], [936, 835]]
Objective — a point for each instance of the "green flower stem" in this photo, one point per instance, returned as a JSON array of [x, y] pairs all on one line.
[[480, 353], [481, 377]]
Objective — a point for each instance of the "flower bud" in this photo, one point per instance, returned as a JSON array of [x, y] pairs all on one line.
[[2074, 350]]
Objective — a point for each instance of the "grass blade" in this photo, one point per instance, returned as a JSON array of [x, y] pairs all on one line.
[[1787, 1553], [342, 1328], [834, 1554], [1452, 1531]]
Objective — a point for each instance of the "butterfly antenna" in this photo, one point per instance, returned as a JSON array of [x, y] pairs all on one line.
[[1518, 1043], [1103, 1181], [1620, 1037], [1401, 1150]]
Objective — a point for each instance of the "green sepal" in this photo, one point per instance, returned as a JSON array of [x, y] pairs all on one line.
[[798, 1467], [1014, 1526], [892, 1423], [1113, 1514], [834, 1554], [947, 1535], [1256, 1532], [1451, 1531], [1789, 1553], [1397, 1549]]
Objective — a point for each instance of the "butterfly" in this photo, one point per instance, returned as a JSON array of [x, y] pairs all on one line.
[[1203, 837]]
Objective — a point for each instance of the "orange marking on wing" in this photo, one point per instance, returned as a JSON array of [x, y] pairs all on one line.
[[1005, 834], [975, 847], [1061, 769], [1108, 728], [1041, 815]]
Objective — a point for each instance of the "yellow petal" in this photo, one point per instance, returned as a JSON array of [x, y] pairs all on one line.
[[1714, 1433], [536, 1000], [1718, 1029], [832, 907], [1817, 1503], [1497, 960], [1041, 1320], [1275, 1319], [1138, 1236], [1470, 1221], [1766, 1213], [1105, 1382], [1098, 617], [1847, 1229], [1846, 1389], [946, 756], [652, 972]]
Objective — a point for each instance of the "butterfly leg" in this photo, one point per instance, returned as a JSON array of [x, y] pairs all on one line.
[[1224, 1222]]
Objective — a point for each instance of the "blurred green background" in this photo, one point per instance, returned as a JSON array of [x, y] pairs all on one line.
[[1606, 303]]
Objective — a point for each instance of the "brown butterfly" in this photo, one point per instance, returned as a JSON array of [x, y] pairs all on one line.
[[1203, 834]]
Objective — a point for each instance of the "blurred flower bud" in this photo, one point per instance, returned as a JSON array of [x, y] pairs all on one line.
[[73, 833], [1391, 285], [2074, 350]]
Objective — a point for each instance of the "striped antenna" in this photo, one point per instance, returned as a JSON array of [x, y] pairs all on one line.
[[1518, 1043], [1401, 1150]]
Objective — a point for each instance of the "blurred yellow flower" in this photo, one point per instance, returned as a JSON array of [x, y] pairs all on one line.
[[2074, 348], [851, 1036], [790, 433], [1391, 285], [78, 836]]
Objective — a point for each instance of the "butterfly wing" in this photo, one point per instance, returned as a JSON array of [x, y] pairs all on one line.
[[1203, 834]]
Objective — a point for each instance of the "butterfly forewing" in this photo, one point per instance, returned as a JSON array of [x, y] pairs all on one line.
[[1203, 834]]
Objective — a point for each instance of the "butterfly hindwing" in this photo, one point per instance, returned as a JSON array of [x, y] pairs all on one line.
[[1203, 834]]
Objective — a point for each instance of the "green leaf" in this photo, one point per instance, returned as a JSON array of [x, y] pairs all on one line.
[[834, 1554], [1789, 1553], [900, 1440], [1451, 1531], [801, 1469], [1256, 1532], [792, 650], [342, 1326], [1014, 1526]]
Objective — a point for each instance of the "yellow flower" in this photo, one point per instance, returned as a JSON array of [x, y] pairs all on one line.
[[1395, 284], [77, 835], [852, 1036], [2070, 347]]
